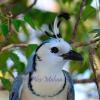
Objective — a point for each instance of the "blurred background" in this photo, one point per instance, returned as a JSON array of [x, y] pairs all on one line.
[[21, 22]]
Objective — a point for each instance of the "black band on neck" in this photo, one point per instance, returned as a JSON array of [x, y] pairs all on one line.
[[43, 96]]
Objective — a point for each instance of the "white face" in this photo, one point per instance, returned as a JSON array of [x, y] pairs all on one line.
[[51, 51]]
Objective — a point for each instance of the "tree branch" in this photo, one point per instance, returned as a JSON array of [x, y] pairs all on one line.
[[85, 81], [22, 45], [9, 18], [25, 10], [13, 46], [86, 44], [2, 88], [78, 20], [92, 62]]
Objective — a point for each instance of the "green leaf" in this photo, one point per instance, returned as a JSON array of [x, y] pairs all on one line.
[[28, 18], [3, 58], [4, 29], [14, 57], [98, 35], [2, 16], [14, 38], [6, 83], [19, 7], [85, 63], [30, 49], [88, 2], [32, 46], [4, 68], [19, 66], [88, 12], [37, 18], [75, 66], [17, 24], [69, 1], [64, 1], [96, 31], [80, 67], [67, 33]]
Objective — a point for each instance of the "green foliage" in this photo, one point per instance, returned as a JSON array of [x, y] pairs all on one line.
[[4, 29], [18, 65], [36, 18], [3, 58], [96, 31], [6, 83], [88, 2], [17, 24], [29, 50], [43, 18], [64, 1], [88, 12]]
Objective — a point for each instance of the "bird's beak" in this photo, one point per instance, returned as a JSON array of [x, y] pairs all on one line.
[[72, 55]]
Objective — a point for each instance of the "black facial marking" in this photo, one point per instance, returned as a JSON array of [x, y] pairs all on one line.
[[64, 15], [34, 63], [29, 82], [58, 35], [34, 57], [50, 26], [58, 24], [48, 34], [54, 50], [38, 57]]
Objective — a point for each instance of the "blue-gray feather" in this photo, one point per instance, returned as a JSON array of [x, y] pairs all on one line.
[[16, 88], [70, 94], [29, 67]]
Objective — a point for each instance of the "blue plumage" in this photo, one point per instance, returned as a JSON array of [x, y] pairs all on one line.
[[16, 88]]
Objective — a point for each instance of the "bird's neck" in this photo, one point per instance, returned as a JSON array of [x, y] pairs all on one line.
[[47, 68], [47, 77]]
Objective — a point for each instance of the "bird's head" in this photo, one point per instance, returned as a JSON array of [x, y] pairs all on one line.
[[56, 51]]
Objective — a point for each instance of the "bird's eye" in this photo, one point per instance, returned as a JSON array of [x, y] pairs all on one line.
[[54, 50]]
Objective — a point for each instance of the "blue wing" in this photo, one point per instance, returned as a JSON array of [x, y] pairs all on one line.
[[30, 66], [16, 88], [19, 80], [70, 94]]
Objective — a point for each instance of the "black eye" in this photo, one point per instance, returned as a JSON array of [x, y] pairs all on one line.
[[54, 50]]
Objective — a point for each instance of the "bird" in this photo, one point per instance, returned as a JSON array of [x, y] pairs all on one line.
[[45, 78]]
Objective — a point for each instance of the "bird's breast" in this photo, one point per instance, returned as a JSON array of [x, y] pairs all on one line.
[[47, 84]]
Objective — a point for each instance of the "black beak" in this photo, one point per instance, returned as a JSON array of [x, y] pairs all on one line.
[[72, 55]]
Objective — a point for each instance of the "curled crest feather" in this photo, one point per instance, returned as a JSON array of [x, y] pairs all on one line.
[[57, 23], [53, 30]]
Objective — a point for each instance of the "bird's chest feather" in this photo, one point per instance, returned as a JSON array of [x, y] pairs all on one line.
[[45, 85]]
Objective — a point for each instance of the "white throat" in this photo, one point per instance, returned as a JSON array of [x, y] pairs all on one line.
[[48, 77]]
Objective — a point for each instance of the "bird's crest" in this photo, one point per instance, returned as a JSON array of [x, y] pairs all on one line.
[[53, 31]]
